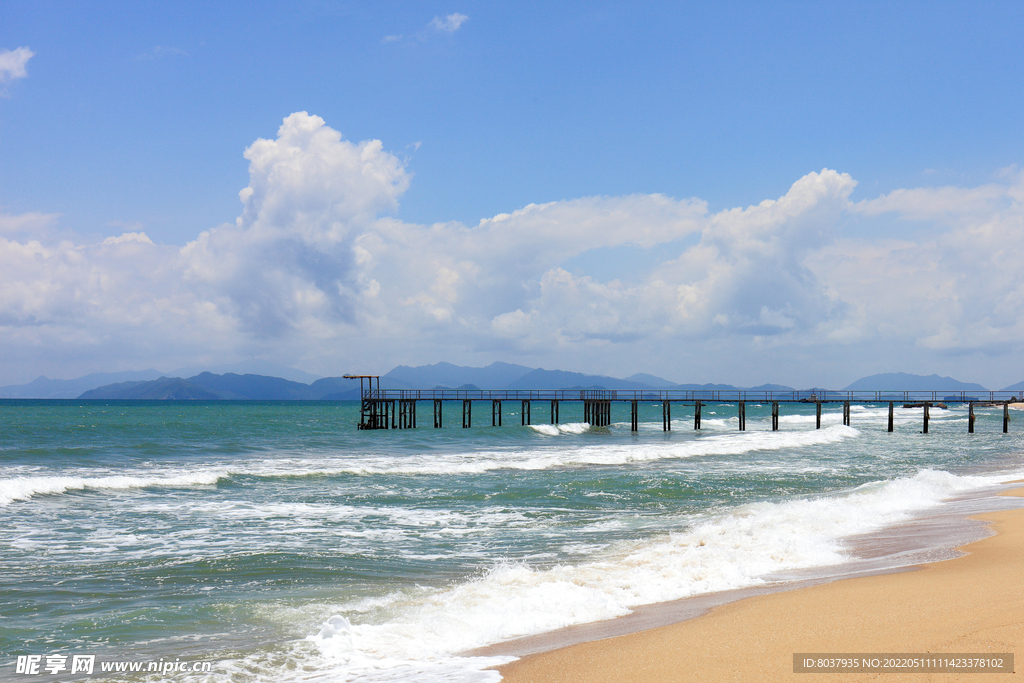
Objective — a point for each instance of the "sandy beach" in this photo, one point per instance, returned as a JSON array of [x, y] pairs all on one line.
[[971, 604]]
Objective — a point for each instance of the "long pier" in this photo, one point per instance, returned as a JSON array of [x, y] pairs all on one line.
[[396, 408]]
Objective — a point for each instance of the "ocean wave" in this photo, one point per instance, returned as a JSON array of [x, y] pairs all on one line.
[[556, 429], [21, 488], [732, 443], [733, 550], [24, 488]]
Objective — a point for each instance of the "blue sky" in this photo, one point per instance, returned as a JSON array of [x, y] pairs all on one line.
[[644, 137]]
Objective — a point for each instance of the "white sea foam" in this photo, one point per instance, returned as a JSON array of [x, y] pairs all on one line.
[[555, 430], [24, 488], [619, 453], [424, 632], [21, 488]]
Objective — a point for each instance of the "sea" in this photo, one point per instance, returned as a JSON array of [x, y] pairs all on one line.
[[275, 542]]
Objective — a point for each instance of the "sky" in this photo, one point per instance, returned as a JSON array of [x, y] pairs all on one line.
[[738, 192]]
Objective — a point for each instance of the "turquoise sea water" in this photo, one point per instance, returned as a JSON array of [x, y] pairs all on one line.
[[277, 542]]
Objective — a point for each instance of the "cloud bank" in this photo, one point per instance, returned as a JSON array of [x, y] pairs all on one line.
[[317, 272]]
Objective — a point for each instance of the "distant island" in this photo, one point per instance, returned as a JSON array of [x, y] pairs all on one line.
[[496, 376]]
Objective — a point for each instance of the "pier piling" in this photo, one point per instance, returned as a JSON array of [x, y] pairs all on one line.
[[742, 412], [846, 413], [438, 412], [1006, 418], [890, 415], [525, 413], [926, 407], [554, 412], [666, 416], [817, 414], [597, 413], [775, 416], [634, 416], [696, 414], [406, 414], [970, 417], [467, 413], [495, 413]]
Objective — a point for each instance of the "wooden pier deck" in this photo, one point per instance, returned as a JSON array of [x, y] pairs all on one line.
[[396, 408]]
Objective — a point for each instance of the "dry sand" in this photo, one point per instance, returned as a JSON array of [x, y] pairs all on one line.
[[974, 603]]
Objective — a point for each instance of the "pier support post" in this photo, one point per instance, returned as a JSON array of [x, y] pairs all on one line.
[[926, 406], [367, 415], [846, 413], [817, 414], [970, 417], [890, 416], [554, 411], [495, 413], [394, 409], [407, 413], [467, 413], [597, 413], [634, 417], [525, 412], [1006, 418], [775, 416], [696, 414], [666, 416], [438, 411], [743, 416]]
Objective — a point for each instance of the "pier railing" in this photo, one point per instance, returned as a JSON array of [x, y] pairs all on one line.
[[686, 395]]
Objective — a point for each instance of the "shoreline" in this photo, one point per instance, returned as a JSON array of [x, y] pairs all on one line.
[[973, 602]]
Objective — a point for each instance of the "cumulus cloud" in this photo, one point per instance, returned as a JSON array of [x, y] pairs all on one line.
[[317, 269], [289, 257], [12, 63], [953, 282]]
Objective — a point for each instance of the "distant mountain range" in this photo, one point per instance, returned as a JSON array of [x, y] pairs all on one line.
[[43, 387], [901, 380], [149, 384], [230, 386]]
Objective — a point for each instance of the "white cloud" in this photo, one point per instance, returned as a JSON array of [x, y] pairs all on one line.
[[140, 237], [955, 285], [450, 24], [925, 203], [162, 51], [289, 257], [315, 271], [27, 222], [12, 63]]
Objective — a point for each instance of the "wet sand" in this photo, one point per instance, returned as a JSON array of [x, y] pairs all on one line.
[[971, 604]]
